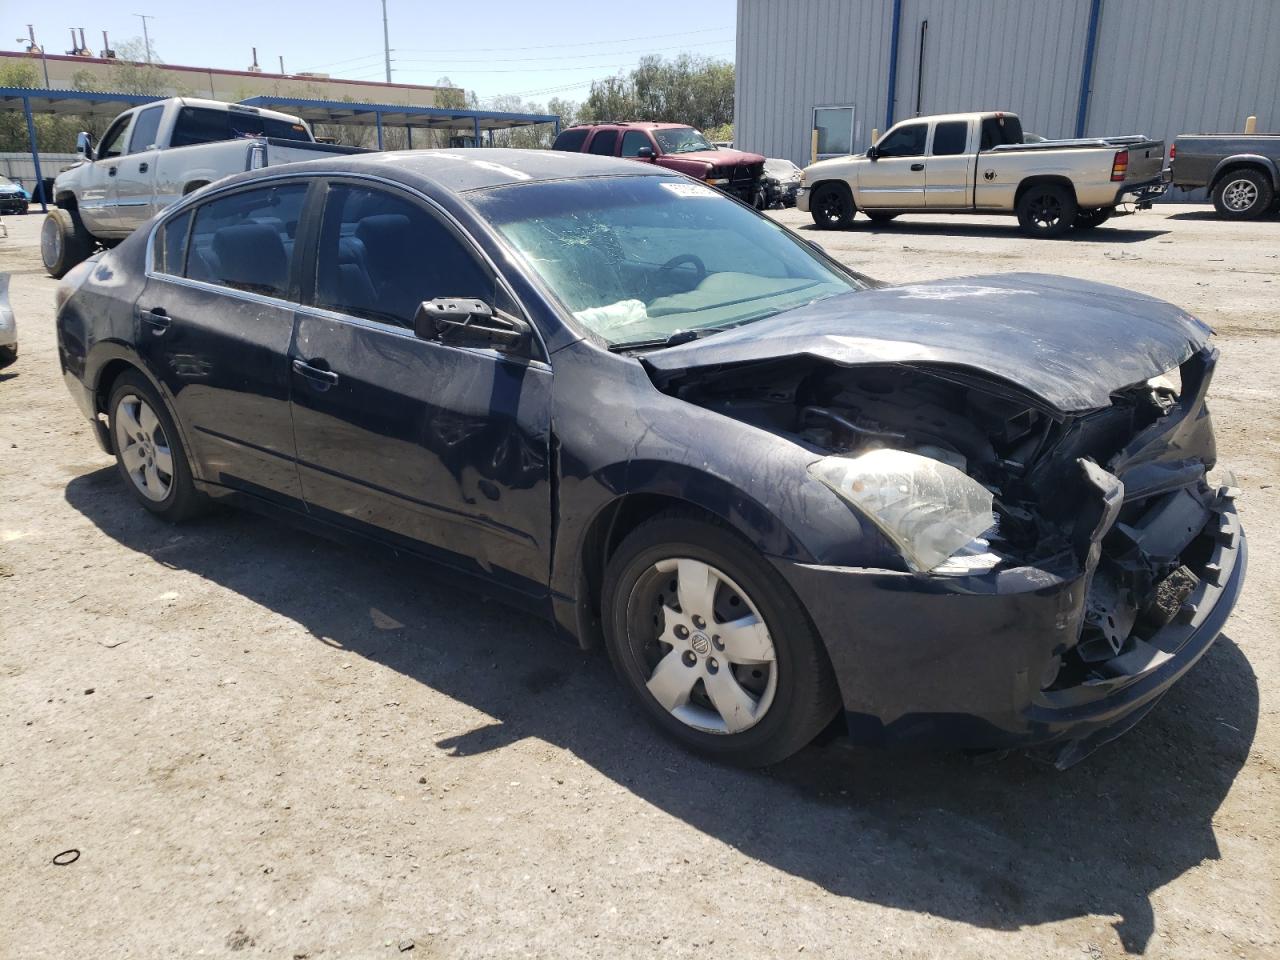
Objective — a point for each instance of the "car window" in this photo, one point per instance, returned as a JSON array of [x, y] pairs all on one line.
[[202, 125], [246, 240], [169, 252], [950, 138], [997, 131], [906, 141], [639, 258], [380, 255], [571, 140], [145, 129], [113, 140], [633, 141], [681, 140], [603, 142]]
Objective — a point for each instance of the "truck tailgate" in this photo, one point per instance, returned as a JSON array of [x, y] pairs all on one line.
[[1146, 161]]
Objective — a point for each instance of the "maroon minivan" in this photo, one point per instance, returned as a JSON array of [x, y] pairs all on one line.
[[672, 145]]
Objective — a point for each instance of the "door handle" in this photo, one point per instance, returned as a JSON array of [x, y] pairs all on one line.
[[143, 167], [156, 318], [321, 377], [111, 171], [917, 167]]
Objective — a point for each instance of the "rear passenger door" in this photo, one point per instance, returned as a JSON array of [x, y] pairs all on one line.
[[895, 179], [949, 169], [440, 448], [214, 325]]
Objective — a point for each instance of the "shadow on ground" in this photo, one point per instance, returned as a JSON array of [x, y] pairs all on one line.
[[962, 228], [1001, 845]]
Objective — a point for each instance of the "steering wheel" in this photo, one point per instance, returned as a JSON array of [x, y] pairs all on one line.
[[681, 260]]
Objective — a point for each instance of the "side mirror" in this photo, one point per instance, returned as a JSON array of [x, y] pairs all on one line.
[[465, 322], [644, 153], [873, 153], [84, 145]]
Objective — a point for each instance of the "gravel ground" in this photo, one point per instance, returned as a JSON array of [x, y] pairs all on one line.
[[264, 744]]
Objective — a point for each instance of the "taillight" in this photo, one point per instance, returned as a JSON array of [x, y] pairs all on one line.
[[1173, 151], [1120, 165]]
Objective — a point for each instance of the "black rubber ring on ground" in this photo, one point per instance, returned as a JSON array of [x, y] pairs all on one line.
[[67, 857]]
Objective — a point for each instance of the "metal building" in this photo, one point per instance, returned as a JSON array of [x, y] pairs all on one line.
[[843, 68]]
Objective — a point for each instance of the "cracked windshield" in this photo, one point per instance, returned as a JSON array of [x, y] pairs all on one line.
[[651, 257], [681, 140]]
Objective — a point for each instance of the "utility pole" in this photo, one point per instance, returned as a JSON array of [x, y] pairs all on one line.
[[282, 65], [386, 40], [146, 40]]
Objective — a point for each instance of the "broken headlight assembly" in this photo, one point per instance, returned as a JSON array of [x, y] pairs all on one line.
[[933, 513]]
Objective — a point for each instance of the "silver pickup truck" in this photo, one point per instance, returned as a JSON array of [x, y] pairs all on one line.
[[978, 163], [154, 154], [1240, 170]]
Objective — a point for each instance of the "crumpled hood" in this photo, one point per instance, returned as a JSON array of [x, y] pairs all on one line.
[[1070, 343], [721, 156]]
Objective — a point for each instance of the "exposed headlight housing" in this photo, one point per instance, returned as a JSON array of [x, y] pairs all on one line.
[[931, 511]]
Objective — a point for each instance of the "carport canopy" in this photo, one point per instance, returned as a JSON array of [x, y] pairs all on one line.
[[89, 103]]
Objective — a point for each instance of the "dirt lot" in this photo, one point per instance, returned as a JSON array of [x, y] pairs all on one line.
[[265, 744]]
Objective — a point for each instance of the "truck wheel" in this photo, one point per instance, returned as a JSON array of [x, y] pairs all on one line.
[[1243, 195], [1046, 210], [64, 242], [832, 206], [1088, 219]]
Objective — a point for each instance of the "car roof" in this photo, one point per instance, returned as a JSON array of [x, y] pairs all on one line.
[[475, 168], [630, 125]]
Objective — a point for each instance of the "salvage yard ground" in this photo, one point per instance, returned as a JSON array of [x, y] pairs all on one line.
[[265, 744]]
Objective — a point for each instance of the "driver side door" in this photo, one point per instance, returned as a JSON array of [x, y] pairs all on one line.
[[895, 180], [439, 448]]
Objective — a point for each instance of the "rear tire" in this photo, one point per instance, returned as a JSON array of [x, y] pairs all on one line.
[[149, 451], [713, 643], [64, 242], [832, 206], [1088, 219], [8, 356], [1243, 195], [1046, 210]]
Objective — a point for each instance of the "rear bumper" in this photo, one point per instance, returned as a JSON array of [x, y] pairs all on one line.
[[961, 662], [1141, 194]]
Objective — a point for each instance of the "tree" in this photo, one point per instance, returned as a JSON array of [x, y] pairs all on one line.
[[687, 89], [55, 134]]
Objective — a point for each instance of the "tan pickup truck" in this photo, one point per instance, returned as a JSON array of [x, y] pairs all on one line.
[[978, 163]]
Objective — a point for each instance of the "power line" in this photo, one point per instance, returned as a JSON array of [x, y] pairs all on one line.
[[585, 43], [581, 56], [335, 63]]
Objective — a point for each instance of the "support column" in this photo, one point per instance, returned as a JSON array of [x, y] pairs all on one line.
[[377, 118], [475, 126], [893, 62], [1086, 71], [35, 153], [409, 134]]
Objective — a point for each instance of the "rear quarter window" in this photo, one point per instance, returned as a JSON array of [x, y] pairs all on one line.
[[570, 140]]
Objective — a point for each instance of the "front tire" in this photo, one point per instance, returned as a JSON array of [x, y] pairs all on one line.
[[149, 452], [1046, 210], [714, 644], [64, 242], [832, 206], [1243, 195]]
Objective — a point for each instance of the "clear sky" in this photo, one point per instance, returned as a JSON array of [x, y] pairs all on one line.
[[535, 49]]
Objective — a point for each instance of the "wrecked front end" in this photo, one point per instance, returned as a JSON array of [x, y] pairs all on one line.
[[1105, 564]]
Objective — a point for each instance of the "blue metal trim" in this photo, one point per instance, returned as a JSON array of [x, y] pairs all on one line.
[[35, 153], [1086, 72], [397, 109], [893, 62]]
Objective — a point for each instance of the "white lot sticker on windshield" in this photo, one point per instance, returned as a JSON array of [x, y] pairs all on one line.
[[689, 189]]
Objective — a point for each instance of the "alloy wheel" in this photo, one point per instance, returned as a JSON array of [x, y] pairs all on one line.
[[710, 660], [1046, 211], [50, 241], [143, 447], [1240, 195]]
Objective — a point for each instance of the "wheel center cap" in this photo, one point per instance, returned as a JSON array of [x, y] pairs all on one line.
[[701, 645]]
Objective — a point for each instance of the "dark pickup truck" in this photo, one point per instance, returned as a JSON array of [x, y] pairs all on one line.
[[1240, 170]]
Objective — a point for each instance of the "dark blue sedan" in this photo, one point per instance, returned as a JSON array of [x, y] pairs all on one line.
[[979, 512]]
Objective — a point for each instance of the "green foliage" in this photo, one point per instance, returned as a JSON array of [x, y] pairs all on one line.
[[54, 134], [686, 89]]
